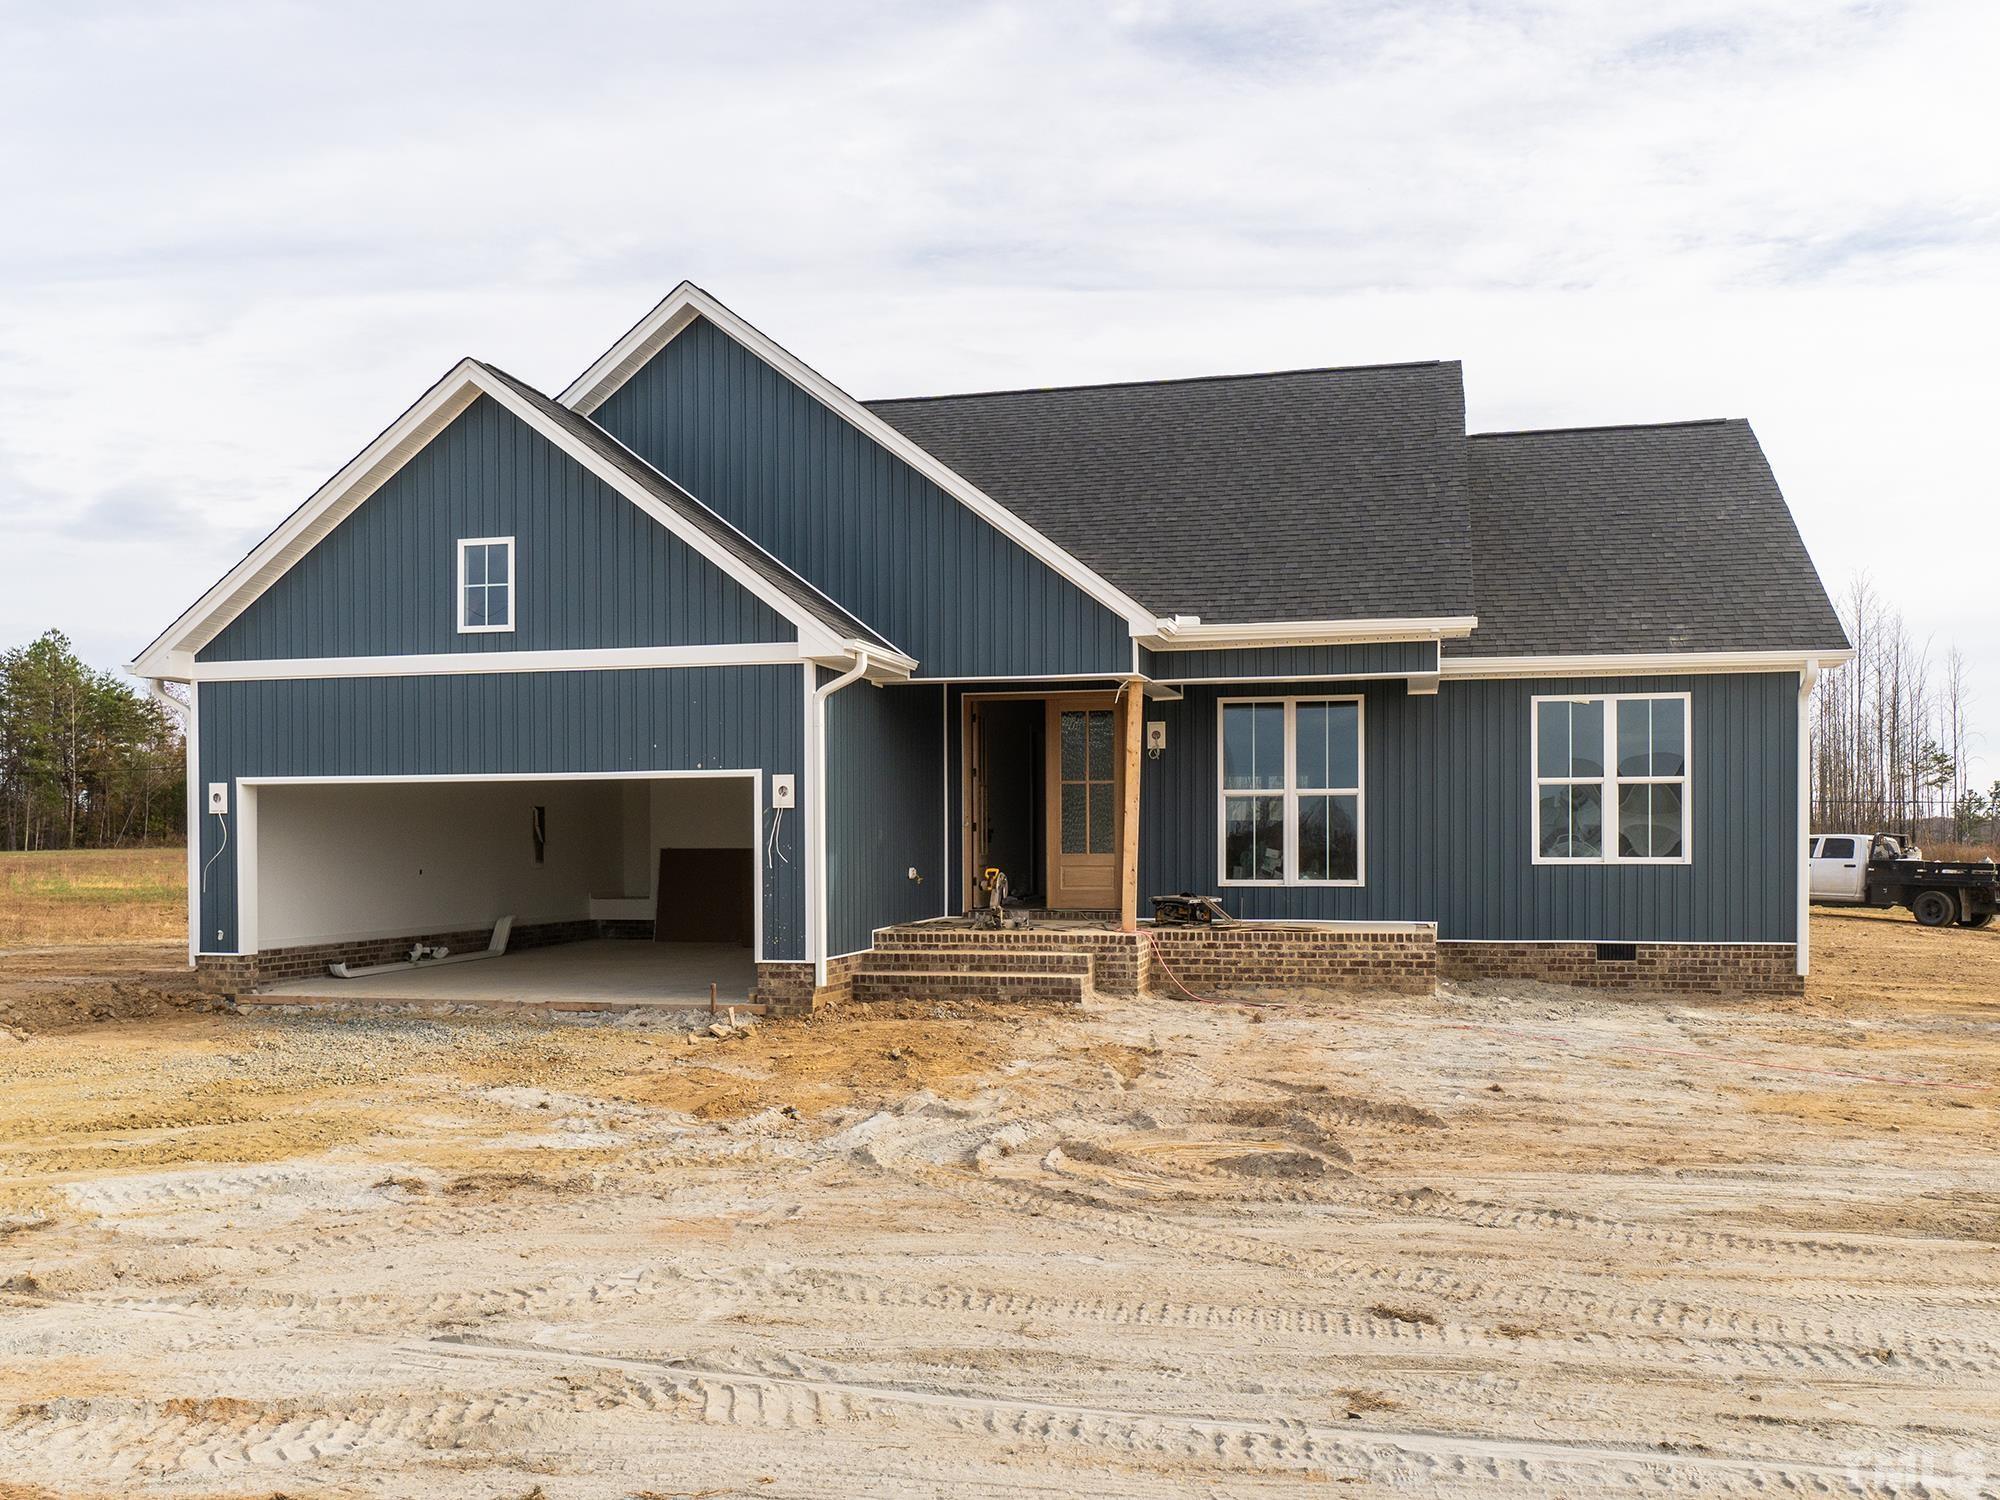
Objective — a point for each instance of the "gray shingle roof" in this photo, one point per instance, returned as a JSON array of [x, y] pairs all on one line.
[[1304, 495], [663, 489], [1657, 538]]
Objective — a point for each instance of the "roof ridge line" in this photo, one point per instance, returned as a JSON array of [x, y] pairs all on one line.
[[1510, 432], [1113, 385]]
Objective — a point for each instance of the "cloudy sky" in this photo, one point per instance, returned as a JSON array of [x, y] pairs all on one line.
[[240, 238]]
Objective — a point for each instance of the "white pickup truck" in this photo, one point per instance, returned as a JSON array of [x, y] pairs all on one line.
[[1878, 869]]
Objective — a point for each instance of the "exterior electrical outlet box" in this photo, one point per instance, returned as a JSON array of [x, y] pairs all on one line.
[[218, 797], [1156, 734], [783, 793]]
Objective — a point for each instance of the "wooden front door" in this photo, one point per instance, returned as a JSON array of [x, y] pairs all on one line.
[[1085, 790]]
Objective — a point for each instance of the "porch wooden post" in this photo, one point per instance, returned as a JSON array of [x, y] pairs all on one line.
[[1128, 824]]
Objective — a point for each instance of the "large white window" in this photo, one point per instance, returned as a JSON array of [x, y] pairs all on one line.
[[485, 584], [1611, 779], [1291, 791]]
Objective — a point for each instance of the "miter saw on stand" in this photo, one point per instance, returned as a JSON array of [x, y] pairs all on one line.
[[991, 909]]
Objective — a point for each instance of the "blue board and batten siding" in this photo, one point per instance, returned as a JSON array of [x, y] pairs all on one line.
[[509, 723], [885, 774], [1450, 818], [933, 578], [1362, 659], [593, 571]]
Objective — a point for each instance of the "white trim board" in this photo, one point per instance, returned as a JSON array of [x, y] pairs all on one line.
[[245, 814], [1639, 664], [685, 303], [171, 652], [1193, 635], [462, 663]]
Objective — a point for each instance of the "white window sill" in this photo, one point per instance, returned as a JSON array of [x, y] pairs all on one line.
[[1297, 885]]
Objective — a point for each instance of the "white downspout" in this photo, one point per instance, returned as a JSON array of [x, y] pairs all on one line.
[[816, 813], [156, 689], [1802, 944]]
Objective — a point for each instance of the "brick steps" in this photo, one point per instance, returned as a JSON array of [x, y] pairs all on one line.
[[1007, 961], [964, 984]]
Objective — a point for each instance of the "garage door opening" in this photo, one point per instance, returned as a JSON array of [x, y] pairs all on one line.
[[622, 889]]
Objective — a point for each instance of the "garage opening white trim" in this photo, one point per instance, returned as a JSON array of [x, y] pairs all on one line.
[[244, 835]]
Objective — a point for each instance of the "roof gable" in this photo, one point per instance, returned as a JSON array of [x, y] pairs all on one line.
[[824, 629], [816, 491], [687, 304], [590, 571]]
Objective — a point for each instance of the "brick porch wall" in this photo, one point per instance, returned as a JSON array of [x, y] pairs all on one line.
[[229, 973], [1671, 968], [1399, 958], [788, 987]]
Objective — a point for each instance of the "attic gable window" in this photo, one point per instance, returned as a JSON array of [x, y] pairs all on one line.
[[485, 584]]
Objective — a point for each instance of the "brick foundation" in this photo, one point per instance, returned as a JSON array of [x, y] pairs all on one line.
[[1668, 968], [231, 973], [1019, 963], [1395, 957]]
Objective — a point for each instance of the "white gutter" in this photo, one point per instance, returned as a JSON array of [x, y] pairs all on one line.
[[1802, 942], [1189, 633], [1618, 664], [816, 813]]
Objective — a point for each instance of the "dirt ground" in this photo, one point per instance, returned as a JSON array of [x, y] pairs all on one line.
[[1513, 1240]]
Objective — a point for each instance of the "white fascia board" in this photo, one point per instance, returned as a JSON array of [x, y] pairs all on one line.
[[1176, 636], [687, 301], [335, 500], [467, 663], [1640, 663]]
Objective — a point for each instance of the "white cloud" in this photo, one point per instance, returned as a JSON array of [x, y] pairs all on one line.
[[240, 239]]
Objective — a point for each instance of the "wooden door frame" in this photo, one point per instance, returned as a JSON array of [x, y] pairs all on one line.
[[1107, 697]]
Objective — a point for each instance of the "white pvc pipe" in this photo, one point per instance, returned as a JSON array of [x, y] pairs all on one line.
[[495, 946], [816, 813]]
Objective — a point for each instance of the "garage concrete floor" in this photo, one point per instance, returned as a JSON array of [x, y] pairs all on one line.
[[610, 972]]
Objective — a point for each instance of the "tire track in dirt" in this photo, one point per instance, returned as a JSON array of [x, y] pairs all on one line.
[[205, 1440], [1656, 1315], [385, 1312], [726, 1397]]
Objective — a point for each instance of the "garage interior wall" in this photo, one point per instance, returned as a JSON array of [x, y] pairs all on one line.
[[348, 862]]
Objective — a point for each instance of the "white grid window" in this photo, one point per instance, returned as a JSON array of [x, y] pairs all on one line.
[[1292, 810], [1611, 783], [485, 584]]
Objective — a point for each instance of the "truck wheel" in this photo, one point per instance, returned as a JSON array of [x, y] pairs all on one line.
[[1979, 920], [1934, 908]]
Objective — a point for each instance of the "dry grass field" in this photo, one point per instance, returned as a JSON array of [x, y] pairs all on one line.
[[92, 896], [1510, 1240]]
